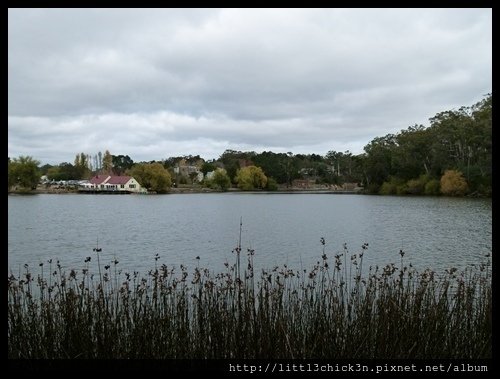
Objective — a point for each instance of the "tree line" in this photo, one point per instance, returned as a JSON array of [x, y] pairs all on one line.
[[452, 156]]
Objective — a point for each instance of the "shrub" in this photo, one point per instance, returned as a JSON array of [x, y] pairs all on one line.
[[220, 180], [414, 186], [271, 185], [372, 188], [394, 186], [453, 183], [401, 189], [432, 187], [387, 188], [417, 186]]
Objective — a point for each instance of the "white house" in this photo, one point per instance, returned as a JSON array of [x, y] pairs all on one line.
[[113, 183]]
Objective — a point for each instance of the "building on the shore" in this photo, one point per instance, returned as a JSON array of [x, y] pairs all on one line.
[[112, 183], [303, 183], [189, 169], [351, 187]]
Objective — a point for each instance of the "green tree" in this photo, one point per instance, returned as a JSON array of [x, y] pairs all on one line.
[[82, 170], [273, 164], [45, 168], [24, 172], [107, 162], [232, 170], [98, 159], [343, 165], [378, 163], [84, 160], [412, 155], [453, 183], [272, 185], [152, 176], [220, 179], [462, 140], [121, 163], [54, 173], [65, 171], [250, 178], [231, 160], [207, 167]]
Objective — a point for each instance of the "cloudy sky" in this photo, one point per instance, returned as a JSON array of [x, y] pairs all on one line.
[[156, 83]]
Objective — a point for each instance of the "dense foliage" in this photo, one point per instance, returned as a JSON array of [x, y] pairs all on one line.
[[458, 140], [251, 178], [453, 183], [220, 180], [412, 161], [152, 176], [23, 172]]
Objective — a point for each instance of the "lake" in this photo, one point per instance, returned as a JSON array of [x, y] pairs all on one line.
[[434, 232]]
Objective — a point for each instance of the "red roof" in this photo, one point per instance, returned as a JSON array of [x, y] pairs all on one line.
[[98, 179], [119, 179]]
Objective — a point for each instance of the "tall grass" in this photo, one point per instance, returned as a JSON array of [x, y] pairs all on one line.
[[330, 311]]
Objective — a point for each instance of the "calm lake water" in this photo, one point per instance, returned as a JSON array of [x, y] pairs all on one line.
[[282, 229]]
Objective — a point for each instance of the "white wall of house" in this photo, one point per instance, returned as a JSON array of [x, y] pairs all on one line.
[[133, 186]]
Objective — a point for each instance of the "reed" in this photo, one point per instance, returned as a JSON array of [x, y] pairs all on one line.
[[333, 310]]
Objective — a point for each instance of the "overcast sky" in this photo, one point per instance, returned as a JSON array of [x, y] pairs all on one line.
[[156, 83]]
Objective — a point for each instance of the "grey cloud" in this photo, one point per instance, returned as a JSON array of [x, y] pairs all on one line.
[[174, 81]]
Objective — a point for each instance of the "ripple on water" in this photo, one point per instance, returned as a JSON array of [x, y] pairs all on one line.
[[434, 232]]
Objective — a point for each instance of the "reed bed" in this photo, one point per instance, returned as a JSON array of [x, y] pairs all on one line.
[[331, 311]]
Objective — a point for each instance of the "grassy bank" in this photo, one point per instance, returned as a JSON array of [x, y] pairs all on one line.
[[329, 311]]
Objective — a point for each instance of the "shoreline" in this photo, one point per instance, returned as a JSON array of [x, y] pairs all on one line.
[[192, 191], [189, 190]]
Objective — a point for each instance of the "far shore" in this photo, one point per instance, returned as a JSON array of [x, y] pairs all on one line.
[[193, 190], [204, 190]]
